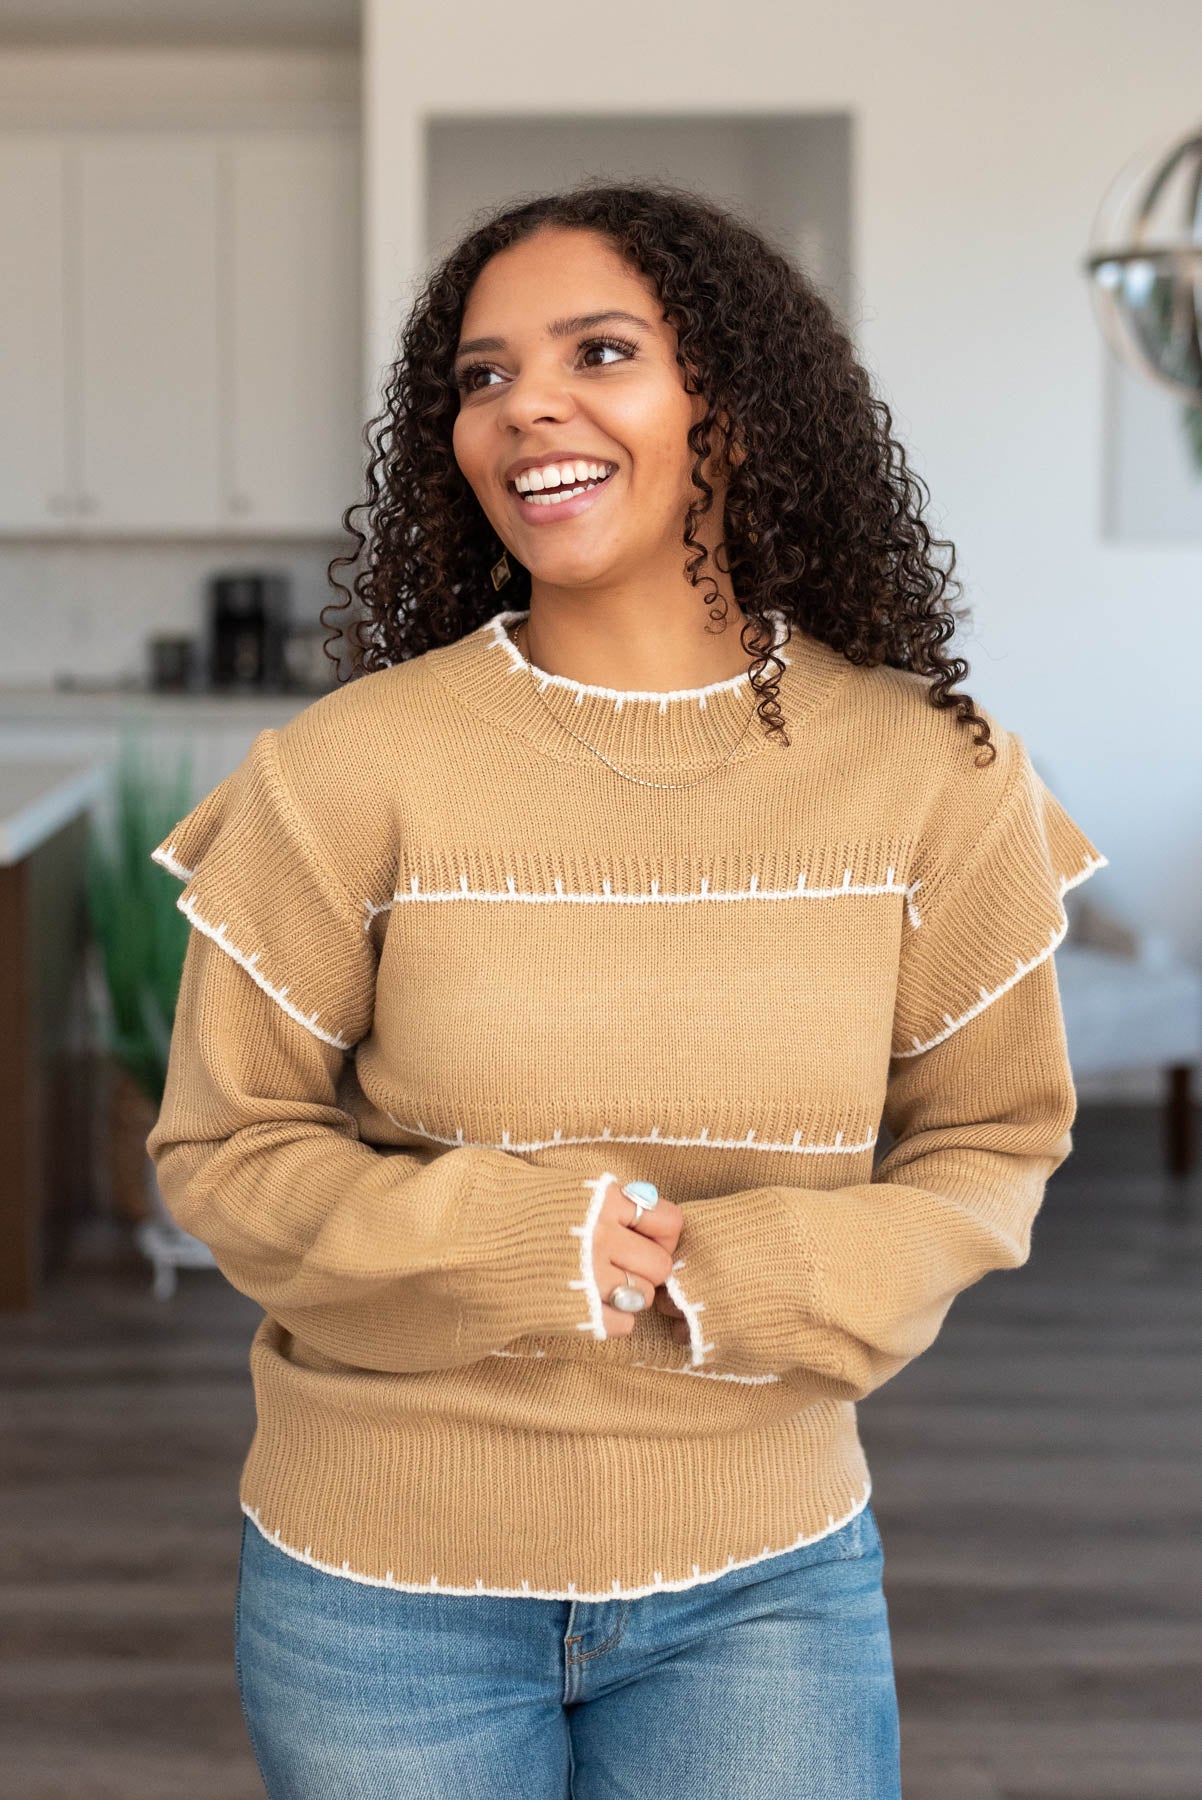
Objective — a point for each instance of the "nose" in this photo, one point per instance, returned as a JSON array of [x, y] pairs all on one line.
[[537, 394]]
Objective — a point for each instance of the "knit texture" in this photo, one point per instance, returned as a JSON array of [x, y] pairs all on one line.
[[450, 975]]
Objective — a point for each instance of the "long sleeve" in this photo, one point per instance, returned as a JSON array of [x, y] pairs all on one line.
[[840, 1288], [389, 1259], [848, 1285], [380, 1258]]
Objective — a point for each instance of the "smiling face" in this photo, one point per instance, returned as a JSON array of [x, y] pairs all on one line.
[[568, 379]]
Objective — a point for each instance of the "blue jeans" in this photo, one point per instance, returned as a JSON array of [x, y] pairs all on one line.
[[775, 1679]]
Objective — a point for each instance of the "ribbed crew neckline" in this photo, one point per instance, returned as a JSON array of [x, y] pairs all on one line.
[[637, 729]]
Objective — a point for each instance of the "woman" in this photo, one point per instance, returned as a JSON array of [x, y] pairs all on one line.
[[550, 982]]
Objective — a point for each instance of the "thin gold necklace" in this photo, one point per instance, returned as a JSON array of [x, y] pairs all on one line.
[[513, 637]]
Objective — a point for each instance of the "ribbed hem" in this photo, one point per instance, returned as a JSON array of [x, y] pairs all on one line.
[[462, 1504]]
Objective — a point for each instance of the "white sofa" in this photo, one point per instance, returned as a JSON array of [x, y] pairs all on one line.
[[1130, 1002]]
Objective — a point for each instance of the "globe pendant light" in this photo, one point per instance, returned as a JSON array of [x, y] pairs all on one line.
[[1145, 264]]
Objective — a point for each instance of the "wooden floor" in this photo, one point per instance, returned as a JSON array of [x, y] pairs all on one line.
[[1037, 1478]]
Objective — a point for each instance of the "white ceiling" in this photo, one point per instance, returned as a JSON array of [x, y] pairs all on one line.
[[293, 24]]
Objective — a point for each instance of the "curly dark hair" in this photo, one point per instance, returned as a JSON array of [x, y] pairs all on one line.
[[823, 517]]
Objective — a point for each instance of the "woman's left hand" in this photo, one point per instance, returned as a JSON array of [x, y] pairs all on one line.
[[665, 1304]]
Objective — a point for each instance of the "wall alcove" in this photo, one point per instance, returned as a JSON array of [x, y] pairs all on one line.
[[789, 174]]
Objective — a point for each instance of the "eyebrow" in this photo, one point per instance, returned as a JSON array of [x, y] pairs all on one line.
[[558, 328]]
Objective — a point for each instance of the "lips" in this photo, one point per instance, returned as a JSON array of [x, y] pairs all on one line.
[[560, 503]]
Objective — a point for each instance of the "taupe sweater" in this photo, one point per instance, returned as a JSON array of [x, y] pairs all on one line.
[[450, 975]]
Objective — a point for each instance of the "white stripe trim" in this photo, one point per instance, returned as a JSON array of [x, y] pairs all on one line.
[[1072, 881], [372, 911], [588, 1277], [656, 1136], [168, 860], [249, 963], [655, 1368], [529, 1591], [519, 666], [690, 1308], [607, 897], [988, 996], [912, 912]]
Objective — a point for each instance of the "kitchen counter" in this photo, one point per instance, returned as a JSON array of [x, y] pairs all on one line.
[[39, 797], [206, 733], [103, 705]]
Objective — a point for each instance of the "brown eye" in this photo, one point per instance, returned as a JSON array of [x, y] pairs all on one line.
[[464, 379], [623, 346]]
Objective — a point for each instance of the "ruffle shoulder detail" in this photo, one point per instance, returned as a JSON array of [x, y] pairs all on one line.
[[992, 915], [255, 882]]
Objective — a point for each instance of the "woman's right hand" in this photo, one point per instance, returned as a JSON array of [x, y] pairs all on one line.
[[640, 1256]]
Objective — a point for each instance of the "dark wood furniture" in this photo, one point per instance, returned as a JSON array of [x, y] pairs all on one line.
[[47, 1165]]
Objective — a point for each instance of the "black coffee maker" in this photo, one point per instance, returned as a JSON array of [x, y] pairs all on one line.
[[249, 617]]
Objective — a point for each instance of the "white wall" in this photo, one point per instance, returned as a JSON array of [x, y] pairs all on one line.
[[983, 141], [85, 610]]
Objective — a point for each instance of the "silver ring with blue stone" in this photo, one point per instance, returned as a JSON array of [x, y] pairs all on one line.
[[645, 1195]]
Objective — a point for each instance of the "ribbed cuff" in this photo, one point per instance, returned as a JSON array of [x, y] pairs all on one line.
[[532, 1271], [741, 1292]]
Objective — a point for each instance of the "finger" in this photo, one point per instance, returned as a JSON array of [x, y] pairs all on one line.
[[628, 1278], [620, 1252], [662, 1222]]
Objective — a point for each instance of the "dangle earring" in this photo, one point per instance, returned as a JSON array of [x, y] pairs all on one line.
[[500, 571]]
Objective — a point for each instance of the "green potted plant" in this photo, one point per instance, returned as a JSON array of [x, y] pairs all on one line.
[[140, 937]]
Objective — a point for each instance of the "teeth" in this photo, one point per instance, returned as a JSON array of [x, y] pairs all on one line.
[[552, 499], [560, 475]]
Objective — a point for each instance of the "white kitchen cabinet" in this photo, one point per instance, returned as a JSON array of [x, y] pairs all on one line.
[[180, 331], [146, 315], [294, 319], [34, 474]]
